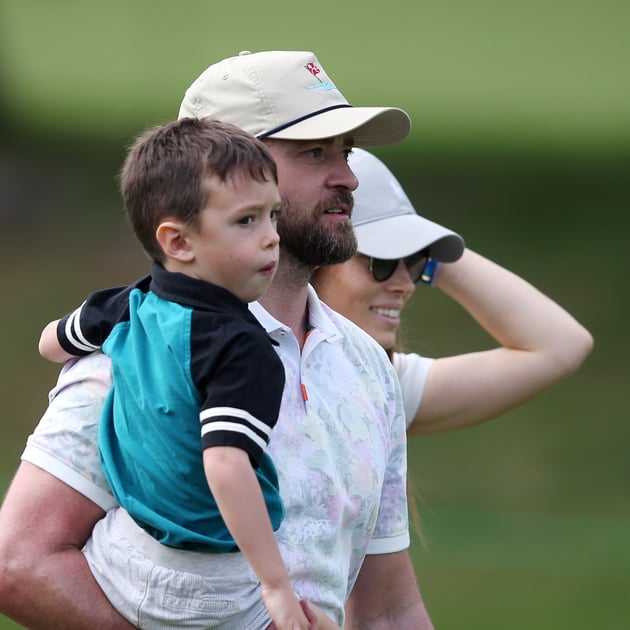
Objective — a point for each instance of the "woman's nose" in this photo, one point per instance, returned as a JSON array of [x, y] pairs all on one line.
[[400, 280]]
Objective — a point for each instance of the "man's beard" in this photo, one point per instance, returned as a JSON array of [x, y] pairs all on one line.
[[312, 240]]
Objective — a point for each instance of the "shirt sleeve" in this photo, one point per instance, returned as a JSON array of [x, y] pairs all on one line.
[[241, 381], [391, 533], [412, 371], [64, 443], [85, 329]]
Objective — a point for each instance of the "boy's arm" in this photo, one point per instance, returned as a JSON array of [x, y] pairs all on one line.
[[84, 330], [237, 492], [49, 346], [238, 495]]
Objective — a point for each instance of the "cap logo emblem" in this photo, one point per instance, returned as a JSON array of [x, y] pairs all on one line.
[[313, 69], [322, 85]]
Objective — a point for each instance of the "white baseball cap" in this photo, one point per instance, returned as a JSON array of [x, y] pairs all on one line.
[[386, 224], [287, 95]]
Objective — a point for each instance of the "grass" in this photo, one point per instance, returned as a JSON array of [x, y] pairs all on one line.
[[489, 569]]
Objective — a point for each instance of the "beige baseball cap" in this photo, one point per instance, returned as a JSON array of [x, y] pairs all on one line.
[[288, 95], [386, 223]]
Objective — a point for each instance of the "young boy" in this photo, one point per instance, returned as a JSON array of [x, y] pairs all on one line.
[[203, 201]]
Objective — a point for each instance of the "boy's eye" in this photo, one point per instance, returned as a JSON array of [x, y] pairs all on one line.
[[274, 215], [246, 220], [347, 153], [315, 152]]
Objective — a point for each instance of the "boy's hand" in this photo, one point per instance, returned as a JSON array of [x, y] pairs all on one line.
[[287, 612], [310, 615]]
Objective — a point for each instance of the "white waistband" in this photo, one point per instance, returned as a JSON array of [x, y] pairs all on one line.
[[119, 524]]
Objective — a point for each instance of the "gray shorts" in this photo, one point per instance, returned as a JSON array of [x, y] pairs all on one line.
[[157, 587]]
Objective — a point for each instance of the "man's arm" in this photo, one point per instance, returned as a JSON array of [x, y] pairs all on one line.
[[45, 582], [386, 596]]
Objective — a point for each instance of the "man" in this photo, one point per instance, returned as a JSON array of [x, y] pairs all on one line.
[[339, 443]]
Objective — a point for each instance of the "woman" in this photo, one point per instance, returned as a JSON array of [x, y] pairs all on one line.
[[539, 342]]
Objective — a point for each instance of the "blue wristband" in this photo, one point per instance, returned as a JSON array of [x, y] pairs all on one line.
[[430, 272]]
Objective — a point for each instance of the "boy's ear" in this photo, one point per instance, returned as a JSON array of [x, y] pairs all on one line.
[[171, 236]]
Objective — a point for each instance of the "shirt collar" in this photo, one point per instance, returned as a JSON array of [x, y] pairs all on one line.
[[317, 317], [189, 291]]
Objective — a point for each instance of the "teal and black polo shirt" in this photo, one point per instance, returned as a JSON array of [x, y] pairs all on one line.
[[192, 369]]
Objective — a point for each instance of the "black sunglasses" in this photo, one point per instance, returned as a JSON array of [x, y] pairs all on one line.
[[382, 269]]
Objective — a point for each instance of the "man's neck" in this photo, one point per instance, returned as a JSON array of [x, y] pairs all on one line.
[[286, 299]]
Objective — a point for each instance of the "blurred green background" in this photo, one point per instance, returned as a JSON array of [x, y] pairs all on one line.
[[521, 141]]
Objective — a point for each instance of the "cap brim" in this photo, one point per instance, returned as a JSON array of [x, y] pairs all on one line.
[[369, 126], [403, 235]]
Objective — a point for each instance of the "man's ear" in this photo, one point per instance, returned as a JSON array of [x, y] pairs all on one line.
[[171, 235]]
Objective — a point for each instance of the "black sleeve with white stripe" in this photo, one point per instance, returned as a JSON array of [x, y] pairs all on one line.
[[241, 379], [85, 329]]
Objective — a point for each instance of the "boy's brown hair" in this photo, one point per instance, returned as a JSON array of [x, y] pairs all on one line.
[[166, 168]]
